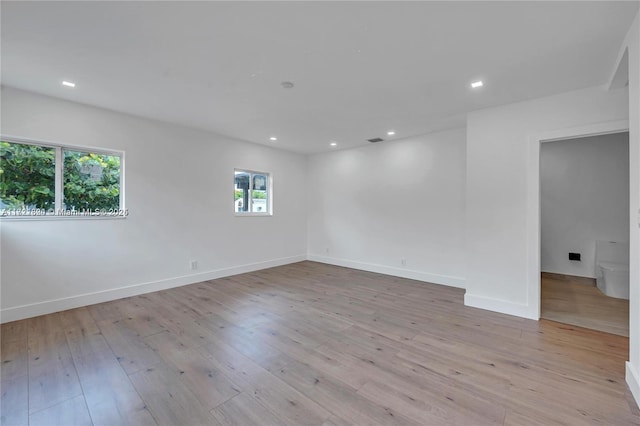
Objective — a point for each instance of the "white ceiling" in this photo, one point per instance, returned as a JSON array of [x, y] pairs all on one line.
[[359, 68]]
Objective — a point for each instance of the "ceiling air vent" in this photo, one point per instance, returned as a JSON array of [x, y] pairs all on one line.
[[374, 140]]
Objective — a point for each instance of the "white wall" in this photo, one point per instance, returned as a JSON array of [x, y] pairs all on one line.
[[371, 207], [584, 198], [498, 151], [179, 195], [632, 45]]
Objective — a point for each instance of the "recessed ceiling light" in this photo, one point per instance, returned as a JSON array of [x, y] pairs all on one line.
[[333, 143], [273, 138], [391, 132], [68, 84], [477, 84]]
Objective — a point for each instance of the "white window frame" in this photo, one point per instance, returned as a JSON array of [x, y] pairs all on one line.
[[59, 183], [269, 202]]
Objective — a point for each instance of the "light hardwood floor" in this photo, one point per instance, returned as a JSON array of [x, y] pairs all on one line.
[[308, 344], [577, 301]]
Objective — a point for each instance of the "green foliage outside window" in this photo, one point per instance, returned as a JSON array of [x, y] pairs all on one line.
[[91, 181], [256, 195], [27, 176]]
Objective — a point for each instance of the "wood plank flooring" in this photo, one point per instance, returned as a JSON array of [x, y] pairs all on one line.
[[577, 301], [308, 344]]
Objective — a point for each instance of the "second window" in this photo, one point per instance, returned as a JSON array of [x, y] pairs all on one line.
[[252, 192]]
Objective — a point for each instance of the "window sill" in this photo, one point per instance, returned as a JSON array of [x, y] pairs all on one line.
[[253, 214]]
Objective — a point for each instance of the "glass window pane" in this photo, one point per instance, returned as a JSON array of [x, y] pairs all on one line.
[[27, 177], [241, 194], [259, 194], [91, 181]]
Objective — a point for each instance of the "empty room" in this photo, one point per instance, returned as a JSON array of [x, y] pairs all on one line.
[[319, 213]]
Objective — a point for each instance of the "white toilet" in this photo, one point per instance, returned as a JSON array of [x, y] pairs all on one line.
[[612, 268]]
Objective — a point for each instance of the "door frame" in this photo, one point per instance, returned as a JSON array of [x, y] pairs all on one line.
[[533, 197]]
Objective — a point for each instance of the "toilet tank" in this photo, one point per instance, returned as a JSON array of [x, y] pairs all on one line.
[[612, 252]]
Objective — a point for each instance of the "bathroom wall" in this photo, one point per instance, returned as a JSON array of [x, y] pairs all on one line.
[[584, 194]]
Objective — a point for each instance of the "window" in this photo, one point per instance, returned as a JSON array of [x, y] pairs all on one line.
[[27, 176], [252, 193], [48, 180]]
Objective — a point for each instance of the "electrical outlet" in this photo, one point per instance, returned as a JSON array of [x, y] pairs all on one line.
[[193, 264]]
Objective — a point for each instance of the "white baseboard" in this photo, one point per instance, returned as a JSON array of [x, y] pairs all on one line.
[[447, 280], [498, 305], [633, 380], [56, 305]]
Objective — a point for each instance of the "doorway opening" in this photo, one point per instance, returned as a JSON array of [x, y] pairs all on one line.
[[584, 238]]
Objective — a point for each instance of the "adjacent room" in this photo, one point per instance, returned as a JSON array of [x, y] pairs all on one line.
[[320, 213], [585, 230]]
